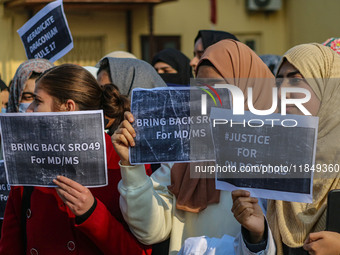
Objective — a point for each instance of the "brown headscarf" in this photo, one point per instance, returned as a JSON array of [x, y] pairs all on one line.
[[241, 67], [291, 222]]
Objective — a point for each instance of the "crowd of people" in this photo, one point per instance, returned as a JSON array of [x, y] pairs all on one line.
[[159, 208]]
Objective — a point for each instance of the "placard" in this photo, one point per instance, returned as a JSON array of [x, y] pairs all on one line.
[[46, 34], [265, 154], [4, 189], [170, 126], [39, 146]]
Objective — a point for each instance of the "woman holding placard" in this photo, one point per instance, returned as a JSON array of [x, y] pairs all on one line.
[[70, 218], [298, 227], [170, 203]]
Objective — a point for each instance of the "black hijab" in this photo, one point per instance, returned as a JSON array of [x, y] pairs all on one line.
[[3, 86], [179, 62], [210, 37]]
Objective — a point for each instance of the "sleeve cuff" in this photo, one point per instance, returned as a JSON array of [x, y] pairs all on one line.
[[133, 177], [82, 218], [255, 247]]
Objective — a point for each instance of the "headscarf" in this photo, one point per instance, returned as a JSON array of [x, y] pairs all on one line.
[[239, 66], [120, 54], [291, 222], [3, 85], [210, 37], [117, 54], [128, 74], [272, 61], [333, 43], [179, 62], [22, 74]]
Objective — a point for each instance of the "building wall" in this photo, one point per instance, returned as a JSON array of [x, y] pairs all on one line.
[[11, 49], [297, 22], [140, 26], [312, 20], [186, 17], [109, 26]]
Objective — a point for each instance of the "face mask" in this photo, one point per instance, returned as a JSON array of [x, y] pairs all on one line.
[[3, 110], [172, 78], [23, 107]]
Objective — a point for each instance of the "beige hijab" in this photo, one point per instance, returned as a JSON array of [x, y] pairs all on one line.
[[291, 222], [239, 66]]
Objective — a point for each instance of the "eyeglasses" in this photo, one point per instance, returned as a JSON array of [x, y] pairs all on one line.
[[28, 96]]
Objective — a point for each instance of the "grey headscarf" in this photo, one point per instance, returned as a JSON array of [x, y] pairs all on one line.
[[128, 74], [22, 74]]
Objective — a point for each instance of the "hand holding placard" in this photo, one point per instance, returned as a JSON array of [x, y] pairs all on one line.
[[56, 147], [77, 197], [249, 214], [323, 242], [123, 138]]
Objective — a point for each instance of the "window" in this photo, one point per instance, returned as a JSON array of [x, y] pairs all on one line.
[[87, 51], [252, 40], [160, 43]]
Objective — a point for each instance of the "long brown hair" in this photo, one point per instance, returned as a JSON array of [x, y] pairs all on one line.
[[70, 81]]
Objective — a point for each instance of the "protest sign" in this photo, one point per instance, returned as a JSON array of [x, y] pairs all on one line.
[[170, 126], [39, 146], [46, 34], [266, 155], [4, 189]]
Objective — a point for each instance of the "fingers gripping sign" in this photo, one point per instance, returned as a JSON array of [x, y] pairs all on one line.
[[249, 214], [77, 197], [323, 243], [124, 137]]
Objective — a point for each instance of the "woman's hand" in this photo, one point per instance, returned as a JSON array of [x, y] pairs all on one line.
[[77, 197], [323, 243], [123, 137], [249, 214]]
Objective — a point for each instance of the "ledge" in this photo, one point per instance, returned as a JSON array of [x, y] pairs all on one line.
[[83, 4]]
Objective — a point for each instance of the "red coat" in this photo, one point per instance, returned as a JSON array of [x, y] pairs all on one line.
[[51, 227]]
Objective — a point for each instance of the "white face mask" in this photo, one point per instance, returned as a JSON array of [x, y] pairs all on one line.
[[23, 107], [3, 110]]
